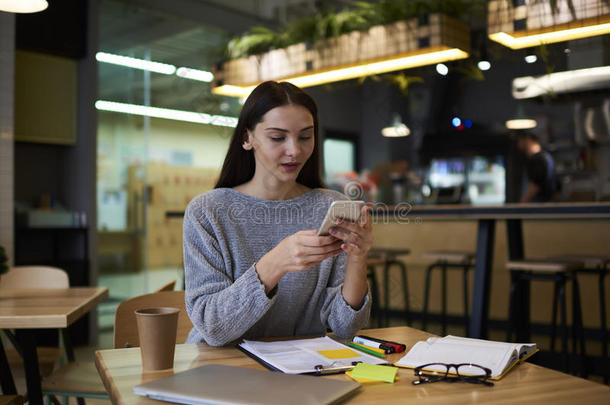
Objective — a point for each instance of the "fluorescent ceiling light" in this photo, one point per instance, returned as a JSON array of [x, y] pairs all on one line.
[[135, 63], [156, 112], [562, 82], [23, 6], [354, 71], [195, 74], [526, 40], [521, 124]]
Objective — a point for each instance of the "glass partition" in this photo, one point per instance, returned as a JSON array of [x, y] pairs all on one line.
[[151, 161]]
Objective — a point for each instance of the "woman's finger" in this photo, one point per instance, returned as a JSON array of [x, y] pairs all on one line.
[[365, 218]]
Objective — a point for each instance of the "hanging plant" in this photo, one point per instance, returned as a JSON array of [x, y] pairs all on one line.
[[361, 16], [258, 40]]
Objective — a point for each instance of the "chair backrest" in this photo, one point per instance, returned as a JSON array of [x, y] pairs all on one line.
[[169, 286], [125, 327], [34, 277]]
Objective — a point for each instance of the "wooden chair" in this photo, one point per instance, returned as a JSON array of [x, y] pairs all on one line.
[[82, 379], [125, 328], [34, 277], [169, 286], [42, 277]]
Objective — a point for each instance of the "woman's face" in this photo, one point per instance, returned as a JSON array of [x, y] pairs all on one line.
[[282, 142]]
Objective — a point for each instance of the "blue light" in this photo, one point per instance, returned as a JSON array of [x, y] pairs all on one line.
[[456, 122], [468, 123]]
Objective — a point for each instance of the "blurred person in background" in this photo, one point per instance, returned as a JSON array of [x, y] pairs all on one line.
[[542, 183]]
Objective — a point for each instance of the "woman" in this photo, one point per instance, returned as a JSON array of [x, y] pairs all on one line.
[[254, 266]]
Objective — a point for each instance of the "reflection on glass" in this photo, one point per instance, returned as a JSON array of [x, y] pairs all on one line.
[[477, 180]]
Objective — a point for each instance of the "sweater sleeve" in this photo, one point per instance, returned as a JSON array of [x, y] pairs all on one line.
[[221, 309], [337, 314]]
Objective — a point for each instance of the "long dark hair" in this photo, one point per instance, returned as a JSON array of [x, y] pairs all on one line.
[[239, 164]]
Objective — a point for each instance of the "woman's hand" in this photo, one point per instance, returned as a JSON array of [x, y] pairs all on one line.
[[357, 236], [357, 241], [297, 252]]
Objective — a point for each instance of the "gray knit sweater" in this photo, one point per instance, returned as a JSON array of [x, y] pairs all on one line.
[[225, 233]]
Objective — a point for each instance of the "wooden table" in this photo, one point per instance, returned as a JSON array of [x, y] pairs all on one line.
[[121, 369], [28, 310], [486, 217]]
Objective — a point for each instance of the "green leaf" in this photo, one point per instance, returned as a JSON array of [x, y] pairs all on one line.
[[258, 40], [403, 81]]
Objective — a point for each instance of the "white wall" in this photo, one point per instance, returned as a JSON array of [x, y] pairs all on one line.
[[122, 142]]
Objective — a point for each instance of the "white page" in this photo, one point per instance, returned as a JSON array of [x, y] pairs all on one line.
[[301, 355], [521, 348]]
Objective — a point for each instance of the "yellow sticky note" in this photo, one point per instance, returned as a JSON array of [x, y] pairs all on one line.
[[374, 372], [338, 353], [366, 380]]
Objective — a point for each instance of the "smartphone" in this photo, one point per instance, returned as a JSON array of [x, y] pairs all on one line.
[[346, 209]]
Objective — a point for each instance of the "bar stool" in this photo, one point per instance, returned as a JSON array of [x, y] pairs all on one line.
[[387, 257], [371, 263], [445, 260], [597, 265], [559, 272]]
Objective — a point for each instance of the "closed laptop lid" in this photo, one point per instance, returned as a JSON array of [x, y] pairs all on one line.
[[218, 384]]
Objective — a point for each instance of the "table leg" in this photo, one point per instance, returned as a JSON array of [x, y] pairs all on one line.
[[482, 278], [514, 230], [6, 377], [27, 341]]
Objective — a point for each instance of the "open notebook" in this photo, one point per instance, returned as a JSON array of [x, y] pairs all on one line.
[[500, 357]]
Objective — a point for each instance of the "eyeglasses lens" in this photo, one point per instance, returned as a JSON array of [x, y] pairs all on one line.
[[471, 370]]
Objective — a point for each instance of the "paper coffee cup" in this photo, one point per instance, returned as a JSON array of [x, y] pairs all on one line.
[[157, 328]]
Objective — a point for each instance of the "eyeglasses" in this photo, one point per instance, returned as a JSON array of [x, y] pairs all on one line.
[[433, 372]]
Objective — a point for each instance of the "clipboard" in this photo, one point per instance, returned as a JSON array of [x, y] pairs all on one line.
[[310, 350], [319, 368]]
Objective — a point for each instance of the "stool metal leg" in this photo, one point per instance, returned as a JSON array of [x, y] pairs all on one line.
[[405, 289], [444, 297], [427, 295], [374, 295], [386, 297], [554, 316], [564, 325], [578, 327], [465, 280], [512, 305], [602, 312]]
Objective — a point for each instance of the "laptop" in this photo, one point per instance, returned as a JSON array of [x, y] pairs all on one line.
[[219, 384]]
